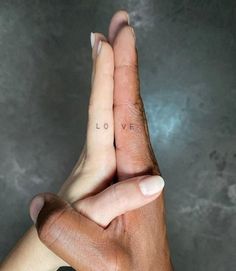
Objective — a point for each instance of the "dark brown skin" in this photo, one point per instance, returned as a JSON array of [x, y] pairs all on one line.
[[137, 240]]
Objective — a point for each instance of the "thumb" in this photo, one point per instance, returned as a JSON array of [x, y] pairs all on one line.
[[120, 198], [74, 237], [70, 235]]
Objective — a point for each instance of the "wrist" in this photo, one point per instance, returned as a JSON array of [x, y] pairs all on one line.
[[31, 254]]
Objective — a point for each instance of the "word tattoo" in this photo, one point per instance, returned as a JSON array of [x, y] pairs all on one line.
[[124, 126], [104, 126]]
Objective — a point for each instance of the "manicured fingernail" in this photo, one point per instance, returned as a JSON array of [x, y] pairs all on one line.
[[36, 206], [151, 185], [99, 47], [92, 39]]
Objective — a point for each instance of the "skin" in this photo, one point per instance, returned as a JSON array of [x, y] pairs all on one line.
[[92, 172], [136, 240], [144, 245], [146, 227]]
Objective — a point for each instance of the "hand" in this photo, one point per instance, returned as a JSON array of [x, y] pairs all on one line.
[[136, 240], [94, 171], [146, 227]]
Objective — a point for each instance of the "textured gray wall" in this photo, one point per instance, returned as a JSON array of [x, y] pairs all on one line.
[[187, 54]]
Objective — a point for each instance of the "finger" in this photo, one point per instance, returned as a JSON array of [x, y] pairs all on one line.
[[100, 152], [72, 236], [134, 153], [120, 198], [118, 21], [100, 123], [94, 40]]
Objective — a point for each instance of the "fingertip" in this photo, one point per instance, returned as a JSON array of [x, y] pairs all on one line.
[[118, 21], [121, 14], [124, 47], [151, 185], [35, 207], [105, 56], [126, 37], [95, 39]]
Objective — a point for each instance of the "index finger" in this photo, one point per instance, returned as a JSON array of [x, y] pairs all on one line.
[[134, 152]]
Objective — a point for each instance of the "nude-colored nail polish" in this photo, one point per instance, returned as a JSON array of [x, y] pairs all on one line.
[[151, 185], [92, 39], [36, 206]]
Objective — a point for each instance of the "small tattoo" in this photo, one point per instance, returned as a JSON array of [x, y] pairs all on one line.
[[123, 125], [104, 126], [130, 126]]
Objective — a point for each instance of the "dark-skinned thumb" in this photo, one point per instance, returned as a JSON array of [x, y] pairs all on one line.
[[73, 237]]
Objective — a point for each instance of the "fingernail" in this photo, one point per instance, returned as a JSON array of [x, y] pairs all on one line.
[[92, 39], [99, 47], [36, 206], [151, 185]]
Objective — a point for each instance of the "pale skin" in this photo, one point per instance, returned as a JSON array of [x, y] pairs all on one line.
[[112, 114]]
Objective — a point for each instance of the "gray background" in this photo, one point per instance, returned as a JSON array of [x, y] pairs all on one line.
[[187, 54]]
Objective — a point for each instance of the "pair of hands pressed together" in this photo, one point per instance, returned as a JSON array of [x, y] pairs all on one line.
[[106, 227]]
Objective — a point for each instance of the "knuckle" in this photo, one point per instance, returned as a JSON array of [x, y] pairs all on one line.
[[136, 109], [115, 195], [130, 66], [119, 197], [108, 76], [93, 108]]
